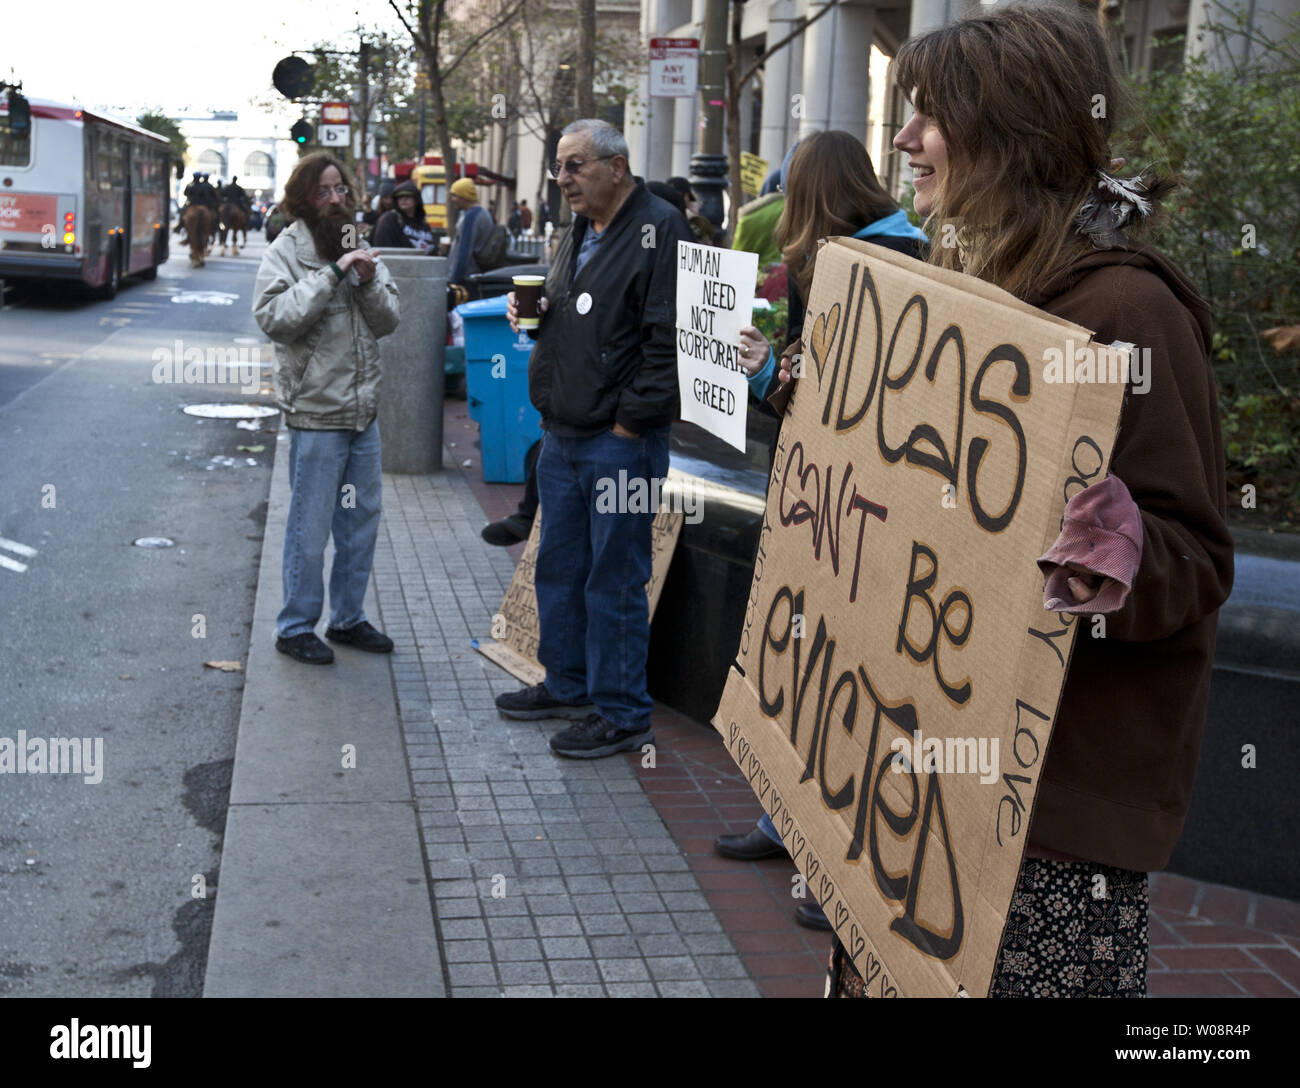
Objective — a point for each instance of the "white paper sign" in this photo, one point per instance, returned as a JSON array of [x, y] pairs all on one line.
[[674, 67], [715, 300]]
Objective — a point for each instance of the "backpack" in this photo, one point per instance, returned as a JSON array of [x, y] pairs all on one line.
[[492, 253]]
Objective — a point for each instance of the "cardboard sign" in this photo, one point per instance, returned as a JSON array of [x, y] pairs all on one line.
[[674, 67], [897, 675], [515, 629], [753, 171], [715, 300]]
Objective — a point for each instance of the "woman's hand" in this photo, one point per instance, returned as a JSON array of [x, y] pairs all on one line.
[[512, 310], [754, 349], [1083, 584], [790, 358]]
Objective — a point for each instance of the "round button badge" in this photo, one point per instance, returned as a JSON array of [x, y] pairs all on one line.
[[584, 303]]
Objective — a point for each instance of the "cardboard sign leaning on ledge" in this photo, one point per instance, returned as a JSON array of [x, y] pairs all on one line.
[[897, 675], [515, 629]]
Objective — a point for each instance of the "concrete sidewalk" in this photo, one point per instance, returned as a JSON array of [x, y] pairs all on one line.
[[458, 849], [460, 857]]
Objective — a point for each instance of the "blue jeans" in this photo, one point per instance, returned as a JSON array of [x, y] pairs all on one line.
[[334, 478], [593, 562], [768, 828]]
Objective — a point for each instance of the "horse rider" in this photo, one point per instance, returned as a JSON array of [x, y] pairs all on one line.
[[234, 194]]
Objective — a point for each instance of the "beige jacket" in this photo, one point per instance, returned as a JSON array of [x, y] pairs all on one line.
[[326, 334]]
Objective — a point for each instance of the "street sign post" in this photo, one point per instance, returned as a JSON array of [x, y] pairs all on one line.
[[335, 124], [674, 67]]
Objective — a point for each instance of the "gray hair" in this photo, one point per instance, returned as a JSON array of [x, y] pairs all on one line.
[[606, 140]]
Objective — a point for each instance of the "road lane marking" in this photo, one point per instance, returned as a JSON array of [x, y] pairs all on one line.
[[17, 549]]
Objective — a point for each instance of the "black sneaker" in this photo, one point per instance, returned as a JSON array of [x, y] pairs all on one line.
[[363, 637], [306, 648], [596, 736], [537, 702], [507, 531]]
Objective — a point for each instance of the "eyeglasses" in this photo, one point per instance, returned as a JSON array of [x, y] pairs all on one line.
[[323, 193], [574, 166]]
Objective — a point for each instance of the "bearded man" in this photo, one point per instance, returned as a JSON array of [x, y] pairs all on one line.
[[324, 299]]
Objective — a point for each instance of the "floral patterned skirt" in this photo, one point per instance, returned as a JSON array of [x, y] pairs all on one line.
[[1074, 929]]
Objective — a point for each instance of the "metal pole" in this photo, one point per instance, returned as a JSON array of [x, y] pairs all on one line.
[[709, 165]]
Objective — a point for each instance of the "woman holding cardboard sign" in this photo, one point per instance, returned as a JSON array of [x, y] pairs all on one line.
[[1010, 148]]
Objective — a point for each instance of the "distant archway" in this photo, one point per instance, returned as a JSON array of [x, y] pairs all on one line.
[[212, 162]]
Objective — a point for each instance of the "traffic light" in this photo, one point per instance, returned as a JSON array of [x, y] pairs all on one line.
[[302, 132], [20, 114]]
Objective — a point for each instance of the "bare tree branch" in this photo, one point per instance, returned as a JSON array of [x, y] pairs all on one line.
[[474, 42]]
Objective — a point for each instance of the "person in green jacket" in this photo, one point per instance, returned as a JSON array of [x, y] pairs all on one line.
[[756, 222]]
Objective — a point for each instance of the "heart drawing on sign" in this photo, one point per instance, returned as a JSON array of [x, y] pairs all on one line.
[[813, 867], [754, 766], [856, 941], [735, 728], [823, 336], [786, 821], [827, 890], [841, 915], [742, 752], [796, 845], [764, 784], [777, 805]]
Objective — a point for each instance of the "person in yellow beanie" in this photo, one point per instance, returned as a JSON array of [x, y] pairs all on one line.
[[474, 230]]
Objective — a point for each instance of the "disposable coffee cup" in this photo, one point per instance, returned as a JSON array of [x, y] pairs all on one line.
[[528, 297]]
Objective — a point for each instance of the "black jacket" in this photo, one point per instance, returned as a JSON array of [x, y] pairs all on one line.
[[616, 363]]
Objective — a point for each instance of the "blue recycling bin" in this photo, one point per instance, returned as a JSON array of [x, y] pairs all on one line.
[[496, 383]]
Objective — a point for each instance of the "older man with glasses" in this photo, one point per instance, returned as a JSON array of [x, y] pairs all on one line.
[[604, 377]]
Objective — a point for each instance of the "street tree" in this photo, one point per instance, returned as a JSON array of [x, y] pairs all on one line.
[[739, 74], [165, 126]]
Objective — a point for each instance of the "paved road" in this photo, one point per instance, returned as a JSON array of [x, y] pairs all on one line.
[[97, 881]]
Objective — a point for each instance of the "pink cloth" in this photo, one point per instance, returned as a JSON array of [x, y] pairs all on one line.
[[1102, 534]]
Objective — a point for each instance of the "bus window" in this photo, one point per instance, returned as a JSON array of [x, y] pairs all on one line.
[[433, 194], [15, 150]]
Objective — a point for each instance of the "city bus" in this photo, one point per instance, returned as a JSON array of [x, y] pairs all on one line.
[[83, 197]]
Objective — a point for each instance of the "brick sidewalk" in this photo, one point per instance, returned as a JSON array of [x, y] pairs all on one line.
[[1207, 940]]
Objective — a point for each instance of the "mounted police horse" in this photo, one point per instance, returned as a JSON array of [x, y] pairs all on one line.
[[198, 221], [233, 220]]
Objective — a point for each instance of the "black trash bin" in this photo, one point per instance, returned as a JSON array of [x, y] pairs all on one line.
[[500, 280]]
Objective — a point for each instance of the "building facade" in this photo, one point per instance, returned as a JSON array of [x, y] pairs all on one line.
[[226, 145]]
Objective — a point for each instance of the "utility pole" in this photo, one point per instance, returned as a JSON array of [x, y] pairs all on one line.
[[363, 163], [709, 164], [586, 58]]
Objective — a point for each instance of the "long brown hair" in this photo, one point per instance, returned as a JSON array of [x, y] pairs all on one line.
[[831, 189], [300, 190], [1025, 98]]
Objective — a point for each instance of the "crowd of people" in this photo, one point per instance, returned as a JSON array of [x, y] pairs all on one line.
[[1005, 149]]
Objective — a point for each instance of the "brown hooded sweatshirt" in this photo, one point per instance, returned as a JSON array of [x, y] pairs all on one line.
[[1119, 770]]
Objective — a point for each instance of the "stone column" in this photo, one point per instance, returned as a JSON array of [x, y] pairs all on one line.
[[774, 136]]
